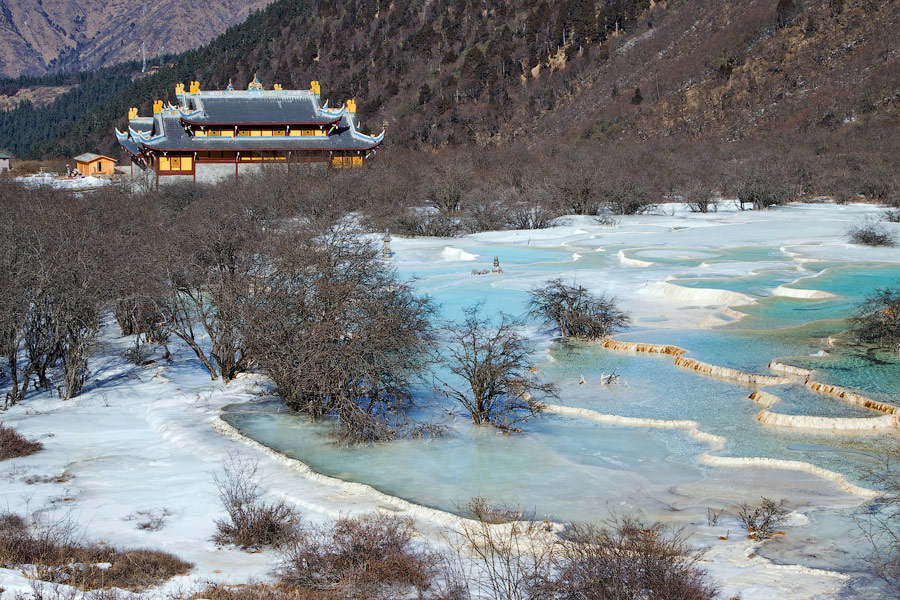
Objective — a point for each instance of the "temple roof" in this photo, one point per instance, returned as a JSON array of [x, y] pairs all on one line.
[[144, 124], [256, 107], [169, 135], [172, 128]]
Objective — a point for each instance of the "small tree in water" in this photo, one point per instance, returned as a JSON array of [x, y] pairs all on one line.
[[576, 311], [499, 384], [877, 319]]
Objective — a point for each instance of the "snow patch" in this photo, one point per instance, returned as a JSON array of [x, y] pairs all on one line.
[[451, 254], [789, 292]]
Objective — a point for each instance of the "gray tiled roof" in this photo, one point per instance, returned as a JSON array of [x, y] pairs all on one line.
[[166, 130], [175, 138], [141, 124], [256, 108]]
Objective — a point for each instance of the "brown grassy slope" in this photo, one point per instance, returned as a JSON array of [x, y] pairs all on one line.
[[729, 70], [37, 95]]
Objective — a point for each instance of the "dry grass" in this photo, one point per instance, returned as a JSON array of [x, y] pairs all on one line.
[[251, 522], [59, 558], [13, 444], [263, 592], [363, 557]]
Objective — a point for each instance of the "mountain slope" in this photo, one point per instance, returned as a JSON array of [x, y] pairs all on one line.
[[40, 36], [489, 72], [733, 70]]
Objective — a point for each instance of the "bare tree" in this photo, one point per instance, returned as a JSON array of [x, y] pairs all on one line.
[[699, 198], [339, 333], [496, 381], [763, 190], [877, 319], [576, 311], [16, 288], [880, 521], [213, 269]]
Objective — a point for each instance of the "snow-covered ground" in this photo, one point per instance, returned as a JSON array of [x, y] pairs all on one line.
[[144, 437], [68, 183]]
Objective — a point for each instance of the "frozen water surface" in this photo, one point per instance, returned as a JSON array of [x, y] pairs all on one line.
[[678, 275]]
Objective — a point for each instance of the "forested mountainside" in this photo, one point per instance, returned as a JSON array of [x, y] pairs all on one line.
[[487, 72], [45, 36]]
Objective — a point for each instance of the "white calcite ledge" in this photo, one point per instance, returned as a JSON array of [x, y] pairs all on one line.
[[789, 292], [716, 443], [777, 367], [764, 399], [885, 422], [845, 395], [612, 344], [730, 374]]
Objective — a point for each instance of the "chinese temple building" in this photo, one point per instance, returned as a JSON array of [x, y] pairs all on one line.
[[211, 135]]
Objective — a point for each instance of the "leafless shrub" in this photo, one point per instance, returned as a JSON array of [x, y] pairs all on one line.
[[362, 556], [59, 557], [879, 521], [509, 558], [13, 444], [495, 384], [892, 215], [576, 311], [530, 216], [484, 511], [762, 191], [630, 560], [607, 221], [626, 197], [251, 522], [713, 515], [877, 319], [762, 520], [61, 478], [871, 233], [701, 200], [258, 592]]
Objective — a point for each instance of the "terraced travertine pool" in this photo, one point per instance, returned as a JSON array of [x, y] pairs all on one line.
[[734, 289]]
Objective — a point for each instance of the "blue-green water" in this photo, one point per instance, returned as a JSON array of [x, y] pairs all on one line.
[[570, 468]]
